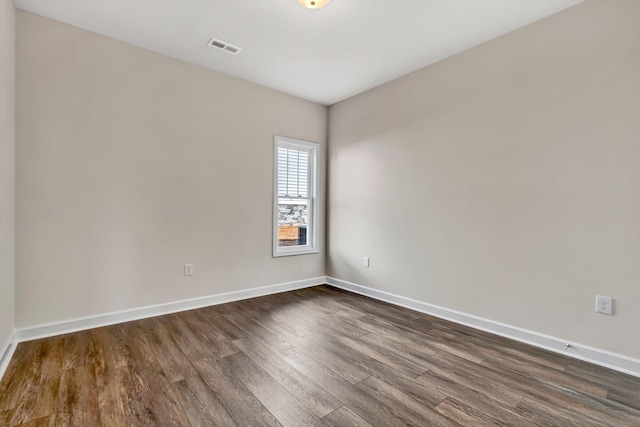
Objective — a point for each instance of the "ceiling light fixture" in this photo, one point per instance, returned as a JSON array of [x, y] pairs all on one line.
[[313, 4]]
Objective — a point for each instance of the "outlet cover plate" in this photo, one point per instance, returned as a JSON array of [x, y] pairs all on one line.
[[188, 269], [603, 304]]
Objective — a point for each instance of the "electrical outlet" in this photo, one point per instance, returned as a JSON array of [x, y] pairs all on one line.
[[603, 304], [188, 269], [365, 261]]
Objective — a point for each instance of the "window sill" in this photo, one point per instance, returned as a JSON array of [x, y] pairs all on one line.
[[282, 253]]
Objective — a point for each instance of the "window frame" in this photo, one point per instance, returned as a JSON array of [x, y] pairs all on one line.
[[312, 223]]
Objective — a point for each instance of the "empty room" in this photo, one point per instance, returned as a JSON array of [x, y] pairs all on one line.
[[319, 212]]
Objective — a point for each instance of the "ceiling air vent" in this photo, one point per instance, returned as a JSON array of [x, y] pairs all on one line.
[[229, 48]]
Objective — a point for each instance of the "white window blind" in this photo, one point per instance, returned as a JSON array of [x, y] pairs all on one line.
[[293, 172]]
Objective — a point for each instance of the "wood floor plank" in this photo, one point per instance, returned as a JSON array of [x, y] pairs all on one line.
[[401, 334], [603, 376], [628, 397], [344, 417], [118, 399], [281, 309], [194, 344], [207, 335], [175, 364], [78, 350], [341, 367], [622, 388], [496, 412], [302, 327], [149, 380], [567, 403], [48, 421], [235, 397], [282, 404], [39, 398], [384, 355], [313, 306], [311, 317], [449, 408], [393, 375], [216, 321], [358, 401], [499, 389], [273, 327], [407, 342], [546, 376], [549, 415], [305, 390], [5, 417], [575, 403], [463, 372], [415, 411], [23, 370], [415, 354], [78, 397], [315, 356], [200, 404], [367, 306], [493, 345], [329, 304], [109, 377], [455, 347]]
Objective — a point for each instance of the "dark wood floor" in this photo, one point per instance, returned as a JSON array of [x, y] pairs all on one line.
[[311, 357]]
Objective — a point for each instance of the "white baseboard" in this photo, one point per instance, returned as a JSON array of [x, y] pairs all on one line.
[[593, 355], [73, 325], [6, 352], [597, 356]]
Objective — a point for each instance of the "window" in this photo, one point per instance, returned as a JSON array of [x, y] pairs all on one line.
[[295, 207]]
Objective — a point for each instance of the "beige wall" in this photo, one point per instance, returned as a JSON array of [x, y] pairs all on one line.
[[131, 164], [503, 182], [7, 169]]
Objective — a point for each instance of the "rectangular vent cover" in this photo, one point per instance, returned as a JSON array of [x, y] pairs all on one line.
[[229, 48]]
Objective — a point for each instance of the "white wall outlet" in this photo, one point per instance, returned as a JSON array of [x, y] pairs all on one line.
[[603, 304], [365, 261], [188, 269]]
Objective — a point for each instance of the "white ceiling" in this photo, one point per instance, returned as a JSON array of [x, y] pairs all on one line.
[[325, 55]]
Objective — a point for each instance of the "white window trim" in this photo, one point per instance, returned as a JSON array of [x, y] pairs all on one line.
[[312, 227]]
